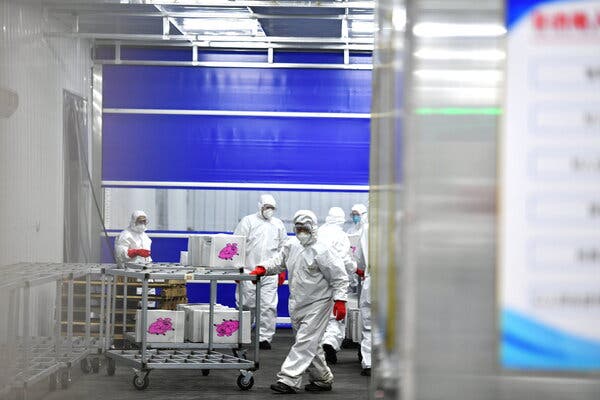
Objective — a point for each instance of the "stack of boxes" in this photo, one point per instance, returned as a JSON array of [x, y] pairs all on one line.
[[190, 323]]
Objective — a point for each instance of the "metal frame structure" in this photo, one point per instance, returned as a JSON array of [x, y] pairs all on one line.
[[177, 356], [165, 16], [29, 358]]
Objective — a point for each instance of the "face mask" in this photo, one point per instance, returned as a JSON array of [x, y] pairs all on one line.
[[139, 228], [268, 213], [356, 219], [303, 237]]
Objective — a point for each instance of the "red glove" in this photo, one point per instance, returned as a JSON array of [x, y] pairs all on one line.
[[360, 272], [258, 271], [138, 252], [132, 253], [281, 278], [144, 253], [339, 310]]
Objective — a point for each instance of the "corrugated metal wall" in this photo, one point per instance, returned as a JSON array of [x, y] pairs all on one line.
[[38, 68]]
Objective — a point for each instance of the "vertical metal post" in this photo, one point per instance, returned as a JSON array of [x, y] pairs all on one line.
[[240, 312], [211, 313], [88, 308], [58, 317], [12, 326], [26, 326], [124, 319], [257, 328], [144, 318], [166, 27], [107, 337], [118, 53], [113, 309], [70, 293], [270, 55], [101, 335]]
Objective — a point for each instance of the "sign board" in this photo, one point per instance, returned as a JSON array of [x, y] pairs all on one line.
[[549, 246]]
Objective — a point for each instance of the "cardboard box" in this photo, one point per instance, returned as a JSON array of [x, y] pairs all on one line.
[[162, 326], [217, 251], [226, 326], [193, 319]]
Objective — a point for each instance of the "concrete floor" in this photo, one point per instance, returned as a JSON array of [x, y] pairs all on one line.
[[221, 385]]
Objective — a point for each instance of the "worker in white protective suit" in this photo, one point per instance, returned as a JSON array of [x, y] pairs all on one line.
[[334, 236], [358, 214], [133, 244], [265, 235], [364, 302], [318, 283]]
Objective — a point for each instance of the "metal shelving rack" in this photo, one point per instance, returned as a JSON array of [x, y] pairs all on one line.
[[31, 358], [177, 356]]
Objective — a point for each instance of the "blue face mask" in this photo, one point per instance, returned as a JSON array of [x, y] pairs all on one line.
[[356, 219]]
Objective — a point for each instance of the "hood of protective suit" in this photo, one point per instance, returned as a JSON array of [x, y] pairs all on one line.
[[266, 200], [308, 219], [336, 216], [361, 209], [136, 214]]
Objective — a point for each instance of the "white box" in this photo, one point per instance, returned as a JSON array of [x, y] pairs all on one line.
[[161, 326], [217, 251], [193, 319], [226, 326], [183, 258]]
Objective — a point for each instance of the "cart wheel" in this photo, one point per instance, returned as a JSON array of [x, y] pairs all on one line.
[[141, 382], [205, 372], [245, 383], [52, 382], [110, 367], [86, 366], [95, 362], [65, 378]]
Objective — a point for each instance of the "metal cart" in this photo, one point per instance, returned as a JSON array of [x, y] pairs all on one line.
[[177, 356], [30, 358]]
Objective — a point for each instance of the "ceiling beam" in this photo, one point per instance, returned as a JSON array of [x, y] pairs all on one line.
[[73, 4]]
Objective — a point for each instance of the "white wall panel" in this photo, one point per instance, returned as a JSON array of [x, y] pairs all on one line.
[[38, 68]]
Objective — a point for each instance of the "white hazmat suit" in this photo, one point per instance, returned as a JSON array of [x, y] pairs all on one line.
[[357, 227], [133, 237], [264, 238], [333, 235], [316, 278], [358, 214], [364, 302]]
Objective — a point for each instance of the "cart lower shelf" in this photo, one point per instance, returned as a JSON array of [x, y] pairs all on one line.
[[177, 359]]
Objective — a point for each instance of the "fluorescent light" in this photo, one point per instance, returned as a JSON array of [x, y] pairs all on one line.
[[218, 25], [357, 26], [437, 29], [483, 76], [475, 55]]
